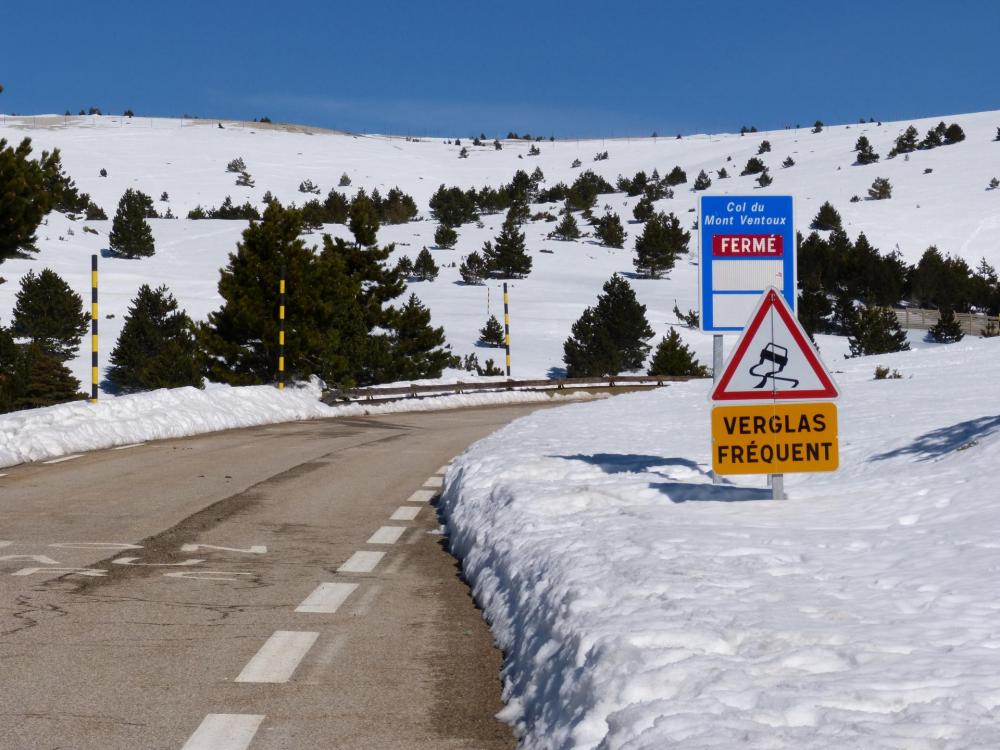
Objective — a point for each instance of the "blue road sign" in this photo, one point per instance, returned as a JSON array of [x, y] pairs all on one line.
[[747, 245]]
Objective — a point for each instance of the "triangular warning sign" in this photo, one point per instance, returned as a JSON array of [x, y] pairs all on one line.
[[774, 360]]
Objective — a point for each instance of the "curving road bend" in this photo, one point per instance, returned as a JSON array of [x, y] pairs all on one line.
[[278, 587]]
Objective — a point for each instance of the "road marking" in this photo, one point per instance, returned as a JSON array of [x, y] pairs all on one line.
[[63, 458], [326, 598], [437, 482], [89, 572], [255, 549], [3, 475], [443, 470], [278, 657], [224, 732], [405, 513], [126, 447], [386, 535], [422, 496], [361, 561], [207, 575]]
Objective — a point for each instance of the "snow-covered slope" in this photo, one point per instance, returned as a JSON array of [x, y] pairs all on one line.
[[948, 207], [641, 607]]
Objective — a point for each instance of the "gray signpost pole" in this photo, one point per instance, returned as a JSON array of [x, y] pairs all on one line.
[[716, 374]]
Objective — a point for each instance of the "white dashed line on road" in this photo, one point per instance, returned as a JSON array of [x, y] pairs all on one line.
[[386, 535], [444, 469], [437, 482], [422, 496], [326, 598], [278, 657], [224, 732], [361, 561], [3, 475], [63, 458], [126, 447], [405, 513]]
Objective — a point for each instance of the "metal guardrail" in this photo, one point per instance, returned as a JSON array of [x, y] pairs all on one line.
[[921, 319], [336, 395]]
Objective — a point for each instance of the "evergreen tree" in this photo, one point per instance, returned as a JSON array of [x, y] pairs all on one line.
[[788, 162], [753, 166], [947, 330], [518, 213], [445, 237], [404, 267], [702, 181], [662, 240], [814, 310], [131, 236], [473, 269], [676, 176], [9, 360], [424, 268], [23, 199], [50, 313], [722, 174], [881, 189], [764, 179], [827, 218], [610, 231], [953, 134], [363, 219], [933, 139], [492, 333], [567, 229], [507, 256], [905, 143], [156, 348], [589, 351], [765, 147], [418, 349], [643, 209], [876, 330], [866, 153], [673, 357], [818, 126], [45, 380]]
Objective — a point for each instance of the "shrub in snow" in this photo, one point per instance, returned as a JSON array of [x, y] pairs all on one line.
[[576, 163], [994, 184], [788, 162], [947, 330], [702, 181], [236, 165], [753, 166], [884, 373], [722, 174], [157, 347], [131, 236], [764, 179], [818, 126], [953, 134], [103, 172], [464, 153], [345, 180], [473, 269], [307, 186], [673, 357], [534, 151], [492, 333], [764, 147], [876, 330], [600, 156], [881, 189]]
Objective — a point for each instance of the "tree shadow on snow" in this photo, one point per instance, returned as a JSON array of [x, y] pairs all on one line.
[[676, 492], [936, 443]]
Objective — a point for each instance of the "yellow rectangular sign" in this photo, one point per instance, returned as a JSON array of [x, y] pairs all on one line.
[[774, 438]]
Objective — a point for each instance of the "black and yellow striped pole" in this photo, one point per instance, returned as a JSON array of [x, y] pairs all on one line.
[[281, 331], [93, 329], [506, 326]]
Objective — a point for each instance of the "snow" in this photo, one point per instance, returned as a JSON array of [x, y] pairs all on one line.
[[639, 606], [42, 434], [949, 207]]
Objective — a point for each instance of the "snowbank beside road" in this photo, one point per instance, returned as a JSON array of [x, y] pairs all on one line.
[[40, 434], [639, 606]]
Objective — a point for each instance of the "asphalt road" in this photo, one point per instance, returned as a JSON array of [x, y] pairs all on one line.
[[318, 608]]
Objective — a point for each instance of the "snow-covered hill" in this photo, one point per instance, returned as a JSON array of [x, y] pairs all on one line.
[[948, 206]]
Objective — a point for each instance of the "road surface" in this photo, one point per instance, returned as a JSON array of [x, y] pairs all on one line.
[[278, 587]]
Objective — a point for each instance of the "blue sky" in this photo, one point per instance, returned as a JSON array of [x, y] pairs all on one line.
[[549, 68]]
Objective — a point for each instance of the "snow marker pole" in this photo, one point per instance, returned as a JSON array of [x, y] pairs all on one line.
[[93, 329], [281, 331], [506, 326]]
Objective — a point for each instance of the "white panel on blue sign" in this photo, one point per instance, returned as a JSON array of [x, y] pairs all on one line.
[[747, 245]]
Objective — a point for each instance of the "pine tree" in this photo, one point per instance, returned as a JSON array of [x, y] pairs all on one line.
[[567, 229], [953, 134], [905, 143], [131, 236], [9, 361], [589, 350], [363, 219], [404, 267], [765, 147], [876, 330], [157, 347], [662, 240], [50, 313], [45, 381], [643, 209], [417, 349], [424, 268], [764, 179], [473, 269], [492, 333], [881, 189], [702, 181], [243, 179], [673, 357], [818, 126], [947, 330], [866, 153], [994, 183], [827, 218], [24, 200], [788, 162], [610, 231], [722, 174], [507, 256], [753, 166], [814, 310]]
